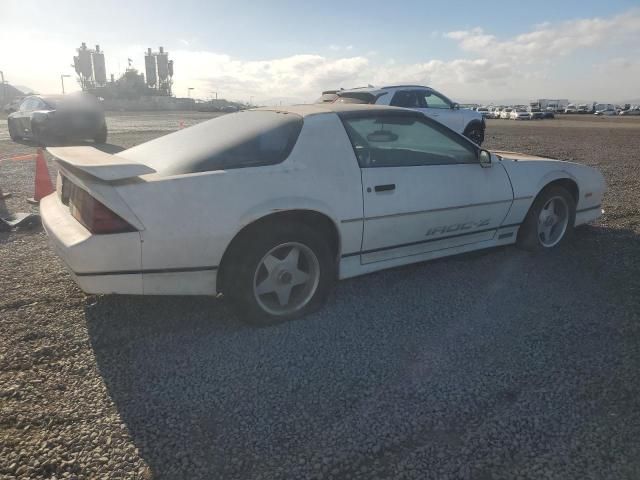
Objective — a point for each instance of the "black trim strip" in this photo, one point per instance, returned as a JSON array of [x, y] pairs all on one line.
[[435, 210], [150, 271], [588, 209], [509, 226], [381, 249]]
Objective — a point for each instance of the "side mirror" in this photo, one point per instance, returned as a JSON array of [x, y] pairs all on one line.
[[455, 106], [485, 158]]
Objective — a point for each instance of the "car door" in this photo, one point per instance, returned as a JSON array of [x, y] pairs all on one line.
[[431, 104], [423, 187], [440, 108]]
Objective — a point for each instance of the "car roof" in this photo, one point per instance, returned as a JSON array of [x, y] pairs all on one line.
[[306, 110], [50, 98], [380, 90]]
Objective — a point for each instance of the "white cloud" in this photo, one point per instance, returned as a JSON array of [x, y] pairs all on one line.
[[546, 40], [338, 48], [491, 68]]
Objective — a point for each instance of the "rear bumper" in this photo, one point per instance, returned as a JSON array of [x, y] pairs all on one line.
[[98, 263], [105, 264]]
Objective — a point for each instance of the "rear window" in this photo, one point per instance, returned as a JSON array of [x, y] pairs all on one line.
[[356, 97], [327, 98], [237, 140]]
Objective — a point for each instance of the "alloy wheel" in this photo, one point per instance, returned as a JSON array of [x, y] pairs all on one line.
[[286, 278], [552, 221]]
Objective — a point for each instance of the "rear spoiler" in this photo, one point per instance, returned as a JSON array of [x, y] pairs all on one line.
[[98, 164]]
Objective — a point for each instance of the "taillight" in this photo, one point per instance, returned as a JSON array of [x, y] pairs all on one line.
[[95, 217]]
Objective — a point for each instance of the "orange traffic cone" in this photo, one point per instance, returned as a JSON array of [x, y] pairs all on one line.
[[44, 186]]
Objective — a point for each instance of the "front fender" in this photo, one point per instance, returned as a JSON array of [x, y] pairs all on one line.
[[528, 177], [553, 176]]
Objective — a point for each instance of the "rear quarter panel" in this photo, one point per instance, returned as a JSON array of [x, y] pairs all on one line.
[[190, 219]]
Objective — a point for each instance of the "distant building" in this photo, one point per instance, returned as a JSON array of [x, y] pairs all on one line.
[[554, 104], [91, 69]]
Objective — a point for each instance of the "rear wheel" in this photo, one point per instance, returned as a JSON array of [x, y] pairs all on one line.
[[282, 274], [475, 133], [549, 221], [101, 136]]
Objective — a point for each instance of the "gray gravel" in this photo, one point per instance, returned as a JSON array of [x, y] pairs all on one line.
[[493, 365]]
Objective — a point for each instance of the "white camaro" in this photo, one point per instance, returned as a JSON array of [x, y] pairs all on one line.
[[271, 206]]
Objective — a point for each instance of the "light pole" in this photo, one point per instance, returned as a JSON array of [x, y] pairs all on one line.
[[4, 87], [251, 100], [189, 91], [62, 77]]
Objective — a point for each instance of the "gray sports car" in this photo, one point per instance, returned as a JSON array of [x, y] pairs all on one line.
[[46, 119]]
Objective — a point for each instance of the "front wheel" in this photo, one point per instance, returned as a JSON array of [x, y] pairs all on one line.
[[101, 136], [475, 133], [282, 274], [13, 132], [549, 221], [39, 136]]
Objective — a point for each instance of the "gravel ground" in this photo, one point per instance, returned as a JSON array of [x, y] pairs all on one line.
[[493, 365]]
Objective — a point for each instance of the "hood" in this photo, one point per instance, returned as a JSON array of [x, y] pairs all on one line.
[[521, 156]]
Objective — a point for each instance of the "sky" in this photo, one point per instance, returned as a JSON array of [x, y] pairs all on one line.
[[289, 51]]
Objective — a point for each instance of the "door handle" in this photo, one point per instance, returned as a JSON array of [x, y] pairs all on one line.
[[385, 188]]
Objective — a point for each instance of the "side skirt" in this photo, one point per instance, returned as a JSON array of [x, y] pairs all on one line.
[[351, 266]]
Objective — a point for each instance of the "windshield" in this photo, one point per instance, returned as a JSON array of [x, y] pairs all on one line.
[[243, 139]]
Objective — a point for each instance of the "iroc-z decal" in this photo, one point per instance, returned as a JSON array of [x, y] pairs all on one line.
[[456, 227]]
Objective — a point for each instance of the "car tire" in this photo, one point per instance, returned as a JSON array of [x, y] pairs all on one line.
[[475, 133], [38, 136], [13, 134], [270, 283], [550, 220], [101, 136]]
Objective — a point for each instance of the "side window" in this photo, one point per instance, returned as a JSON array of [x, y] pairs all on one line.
[[25, 106], [407, 99], [32, 104], [405, 141], [433, 100]]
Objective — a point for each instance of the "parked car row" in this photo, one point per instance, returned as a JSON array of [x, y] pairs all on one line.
[[537, 111], [601, 109], [515, 112]]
